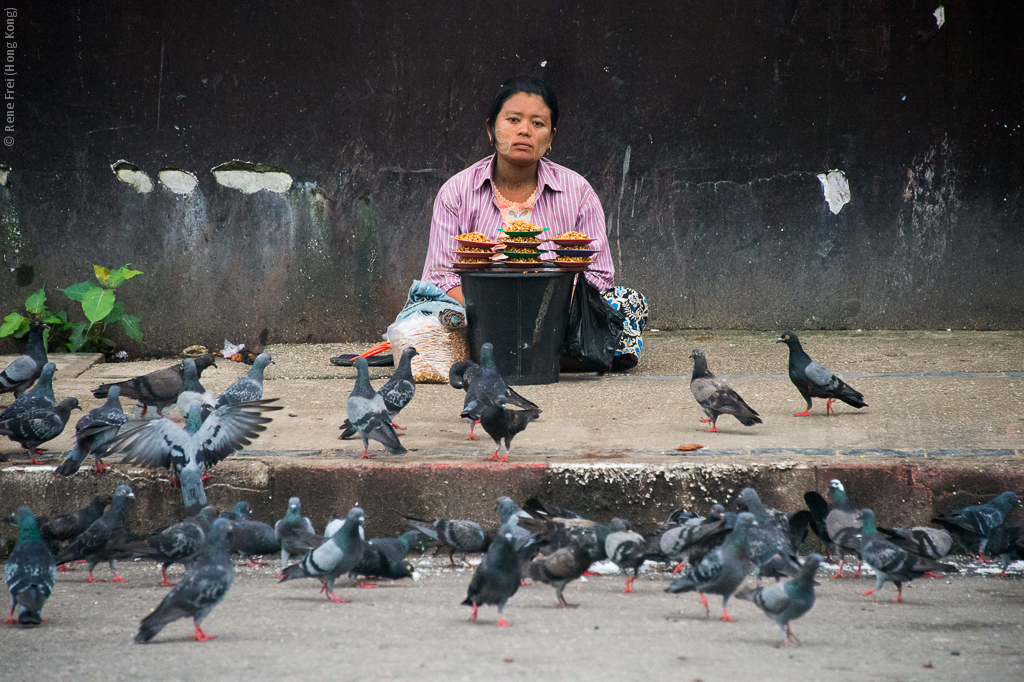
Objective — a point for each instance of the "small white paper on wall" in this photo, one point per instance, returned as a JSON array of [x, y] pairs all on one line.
[[836, 188]]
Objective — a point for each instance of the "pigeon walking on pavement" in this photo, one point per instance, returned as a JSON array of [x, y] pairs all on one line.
[[501, 423], [189, 451], [158, 389], [933, 543], [625, 548], [253, 538], [384, 558], [30, 572], [248, 387], [716, 397], [891, 563], [32, 428], [93, 433], [771, 545], [205, 584], [104, 538], [397, 392], [484, 387], [368, 414], [972, 525], [496, 579], [338, 555], [18, 376], [722, 570], [294, 533], [814, 381], [459, 535], [785, 602], [563, 566], [40, 395], [176, 544]]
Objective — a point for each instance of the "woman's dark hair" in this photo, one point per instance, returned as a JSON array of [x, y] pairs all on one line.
[[528, 85]]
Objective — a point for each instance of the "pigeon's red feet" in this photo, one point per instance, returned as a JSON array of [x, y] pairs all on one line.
[[166, 583], [365, 455], [705, 421], [562, 604], [252, 563], [118, 579], [867, 593], [629, 586], [280, 575], [201, 636], [10, 621], [828, 408], [590, 574], [493, 458], [713, 429], [63, 568], [471, 437], [502, 623], [678, 567], [91, 579], [932, 574], [523, 583], [472, 616], [32, 458], [366, 586], [336, 599], [206, 477], [725, 617], [805, 413], [704, 601], [100, 468], [396, 426]]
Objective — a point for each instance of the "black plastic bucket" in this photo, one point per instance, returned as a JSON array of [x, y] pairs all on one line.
[[524, 316]]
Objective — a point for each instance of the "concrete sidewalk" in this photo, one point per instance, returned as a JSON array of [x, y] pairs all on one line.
[[945, 416]]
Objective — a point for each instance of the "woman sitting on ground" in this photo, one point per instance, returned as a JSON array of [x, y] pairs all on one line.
[[518, 183]]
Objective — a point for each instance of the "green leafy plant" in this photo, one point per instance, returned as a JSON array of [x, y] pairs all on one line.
[[99, 305]]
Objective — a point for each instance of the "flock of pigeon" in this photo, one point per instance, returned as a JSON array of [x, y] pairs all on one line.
[[548, 544]]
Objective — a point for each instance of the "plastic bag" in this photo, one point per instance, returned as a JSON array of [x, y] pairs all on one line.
[[439, 343], [594, 327]]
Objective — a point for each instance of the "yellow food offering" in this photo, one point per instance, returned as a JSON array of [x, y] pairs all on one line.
[[472, 236], [572, 235], [520, 226], [571, 259], [472, 249]]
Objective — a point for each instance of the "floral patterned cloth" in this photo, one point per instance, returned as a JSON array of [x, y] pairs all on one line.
[[633, 305]]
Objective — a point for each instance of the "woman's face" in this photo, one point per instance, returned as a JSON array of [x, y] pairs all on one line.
[[522, 130]]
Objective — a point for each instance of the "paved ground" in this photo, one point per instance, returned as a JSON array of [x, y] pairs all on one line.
[[964, 628]]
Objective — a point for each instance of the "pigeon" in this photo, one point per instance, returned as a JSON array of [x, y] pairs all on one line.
[[102, 540], [203, 586], [563, 566], [496, 579], [715, 397], [818, 509], [338, 555], [41, 395], [555, 528], [177, 544], [843, 526], [814, 381], [397, 392], [193, 393], [484, 387], [385, 558], [501, 423], [67, 527], [972, 525], [626, 549], [26, 368], [457, 534], [295, 533], [689, 541], [251, 537], [249, 387], [933, 543], [33, 428], [722, 570], [771, 547], [157, 389], [30, 572], [1007, 543], [785, 602], [189, 451], [891, 563], [510, 514], [242, 511], [368, 414], [92, 433]]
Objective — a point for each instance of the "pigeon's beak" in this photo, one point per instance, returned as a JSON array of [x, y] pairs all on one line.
[[131, 495], [779, 341]]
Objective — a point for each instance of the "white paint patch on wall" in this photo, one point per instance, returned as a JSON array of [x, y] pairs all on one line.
[[4, 172], [940, 16], [177, 181], [130, 173], [252, 177], [836, 188]]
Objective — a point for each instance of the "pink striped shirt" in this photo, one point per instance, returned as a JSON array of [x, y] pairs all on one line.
[[565, 203]]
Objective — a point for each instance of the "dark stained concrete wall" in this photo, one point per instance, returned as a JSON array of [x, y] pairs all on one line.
[[702, 126]]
